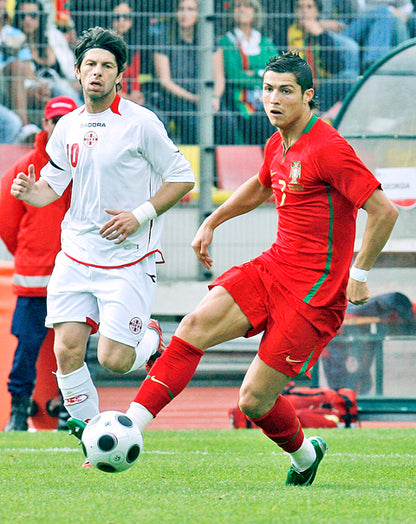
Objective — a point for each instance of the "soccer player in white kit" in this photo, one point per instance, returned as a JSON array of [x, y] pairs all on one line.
[[125, 172]]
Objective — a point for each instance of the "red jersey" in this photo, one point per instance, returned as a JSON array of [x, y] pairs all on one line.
[[319, 183]]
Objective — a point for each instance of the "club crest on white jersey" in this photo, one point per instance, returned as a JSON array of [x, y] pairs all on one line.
[[90, 139], [135, 325]]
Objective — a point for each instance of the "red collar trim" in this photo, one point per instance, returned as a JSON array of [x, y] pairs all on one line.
[[114, 106]]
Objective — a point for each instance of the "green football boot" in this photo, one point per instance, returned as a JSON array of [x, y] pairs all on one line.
[[305, 478], [76, 427]]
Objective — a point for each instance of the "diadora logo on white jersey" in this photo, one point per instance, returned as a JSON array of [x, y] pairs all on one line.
[[93, 124], [90, 139]]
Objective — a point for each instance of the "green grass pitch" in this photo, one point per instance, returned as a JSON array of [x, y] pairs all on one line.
[[198, 477]]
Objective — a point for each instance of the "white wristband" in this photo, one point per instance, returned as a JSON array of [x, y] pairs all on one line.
[[359, 274], [145, 212]]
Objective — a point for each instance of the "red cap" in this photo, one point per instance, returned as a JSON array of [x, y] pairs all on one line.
[[59, 106]]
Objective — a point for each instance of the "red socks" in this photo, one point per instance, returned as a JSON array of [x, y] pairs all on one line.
[[169, 375], [172, 372], [282, 425]]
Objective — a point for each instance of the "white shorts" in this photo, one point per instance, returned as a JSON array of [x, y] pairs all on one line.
[[119, 300]]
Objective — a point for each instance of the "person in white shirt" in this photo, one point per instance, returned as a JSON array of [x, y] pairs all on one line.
[[125, 172]]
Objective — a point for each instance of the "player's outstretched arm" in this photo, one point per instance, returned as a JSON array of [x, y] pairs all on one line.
[[382, 215], [246, 198], [24, 187]]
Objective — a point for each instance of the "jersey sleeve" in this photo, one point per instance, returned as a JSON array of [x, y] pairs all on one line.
[[57, 172], [340, 166], [164, 156]]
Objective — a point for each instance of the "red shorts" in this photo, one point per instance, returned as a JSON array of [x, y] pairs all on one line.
[[295, 333]]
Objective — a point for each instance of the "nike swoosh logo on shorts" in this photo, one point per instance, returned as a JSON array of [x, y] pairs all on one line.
[[288, 359]]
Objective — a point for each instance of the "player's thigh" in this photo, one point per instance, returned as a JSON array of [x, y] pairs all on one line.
[[260, 388], [69, 297], [216, 319], [125, 299]]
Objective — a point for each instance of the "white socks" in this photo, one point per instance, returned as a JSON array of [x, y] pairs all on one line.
[[79, 392], [139, 414], [304, 457], [145, 349]]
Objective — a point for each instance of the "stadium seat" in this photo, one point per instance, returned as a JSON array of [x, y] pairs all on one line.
[[193, 154], [236, 164]]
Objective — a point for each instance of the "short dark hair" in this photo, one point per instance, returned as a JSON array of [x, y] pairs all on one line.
[[318, 4], [100, 38], [292, 62]]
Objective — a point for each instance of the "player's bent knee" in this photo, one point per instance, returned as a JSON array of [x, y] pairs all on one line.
[[193, 327], [190, 321], [115, 356], [251, 405], [255, 404], [115, 363]]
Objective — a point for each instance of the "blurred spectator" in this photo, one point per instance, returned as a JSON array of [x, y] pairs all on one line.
[[89, 13], [376, 25], [334, 72], [32, 235], [14, 54], [279, 16], [176, 61], [122, 22], [31, 18], [62, 38], [412, 21], [401, 10], [10, 125], [245, 52], [343, 11], [176, 67]]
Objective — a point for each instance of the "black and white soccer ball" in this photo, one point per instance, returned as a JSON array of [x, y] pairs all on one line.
[[112, 442]]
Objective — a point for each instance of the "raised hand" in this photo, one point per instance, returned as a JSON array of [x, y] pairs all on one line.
[[24, 184]]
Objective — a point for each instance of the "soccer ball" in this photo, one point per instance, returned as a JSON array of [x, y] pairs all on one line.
[[112, 442]]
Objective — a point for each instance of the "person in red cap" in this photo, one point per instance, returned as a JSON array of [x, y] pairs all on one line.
[[32, 235]]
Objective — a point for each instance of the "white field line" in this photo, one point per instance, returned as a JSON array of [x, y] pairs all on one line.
[[159, 452]]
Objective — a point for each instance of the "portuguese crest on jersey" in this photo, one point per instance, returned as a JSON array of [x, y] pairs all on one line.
[[295, 175]]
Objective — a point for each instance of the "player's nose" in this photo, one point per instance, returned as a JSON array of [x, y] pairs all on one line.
[[97, 71], [275, 97]]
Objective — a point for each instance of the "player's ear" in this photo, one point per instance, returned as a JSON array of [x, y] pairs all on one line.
[[308, 95]]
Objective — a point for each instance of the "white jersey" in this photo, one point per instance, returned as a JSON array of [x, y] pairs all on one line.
[[116, 160]]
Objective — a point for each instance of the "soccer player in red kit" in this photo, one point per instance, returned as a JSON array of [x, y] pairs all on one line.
[[297, 291]]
